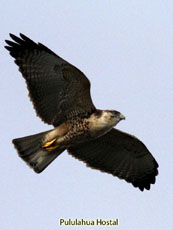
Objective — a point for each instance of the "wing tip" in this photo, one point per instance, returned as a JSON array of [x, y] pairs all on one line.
[[146, 184], [22, 42]]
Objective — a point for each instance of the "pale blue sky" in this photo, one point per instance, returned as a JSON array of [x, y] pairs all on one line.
[[126, 50]]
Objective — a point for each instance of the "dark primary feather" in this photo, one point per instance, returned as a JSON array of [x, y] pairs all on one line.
[[58, 90], [121, 155]]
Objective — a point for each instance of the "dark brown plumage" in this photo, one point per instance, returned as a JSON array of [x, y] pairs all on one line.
[[121, 155], [51, 81], [61, 97]]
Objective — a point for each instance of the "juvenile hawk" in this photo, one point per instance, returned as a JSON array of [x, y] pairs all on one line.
[[61, 97]]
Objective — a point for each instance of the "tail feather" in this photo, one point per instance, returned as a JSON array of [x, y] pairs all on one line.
[[29, 149]]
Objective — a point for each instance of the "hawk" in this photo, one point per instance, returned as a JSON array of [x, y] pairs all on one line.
[[60, 94]]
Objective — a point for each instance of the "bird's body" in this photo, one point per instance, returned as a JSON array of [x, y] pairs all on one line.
[[80, 130], [61, 97]]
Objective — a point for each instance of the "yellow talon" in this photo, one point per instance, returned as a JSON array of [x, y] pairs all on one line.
[[51, 148], [47, 144]]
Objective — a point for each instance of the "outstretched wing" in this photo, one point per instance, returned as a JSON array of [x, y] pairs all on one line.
[[58, 90], [121, 155]]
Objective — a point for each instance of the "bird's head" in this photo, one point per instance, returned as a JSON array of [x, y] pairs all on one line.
[[107, 118], [104, 120], [112, 117]]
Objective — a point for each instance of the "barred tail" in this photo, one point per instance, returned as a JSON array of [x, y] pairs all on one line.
[[29, 149]]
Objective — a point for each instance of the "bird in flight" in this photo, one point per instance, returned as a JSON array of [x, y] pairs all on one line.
[[60, 94]]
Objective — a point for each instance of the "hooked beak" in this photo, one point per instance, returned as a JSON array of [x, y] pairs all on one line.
[[122, 117]]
